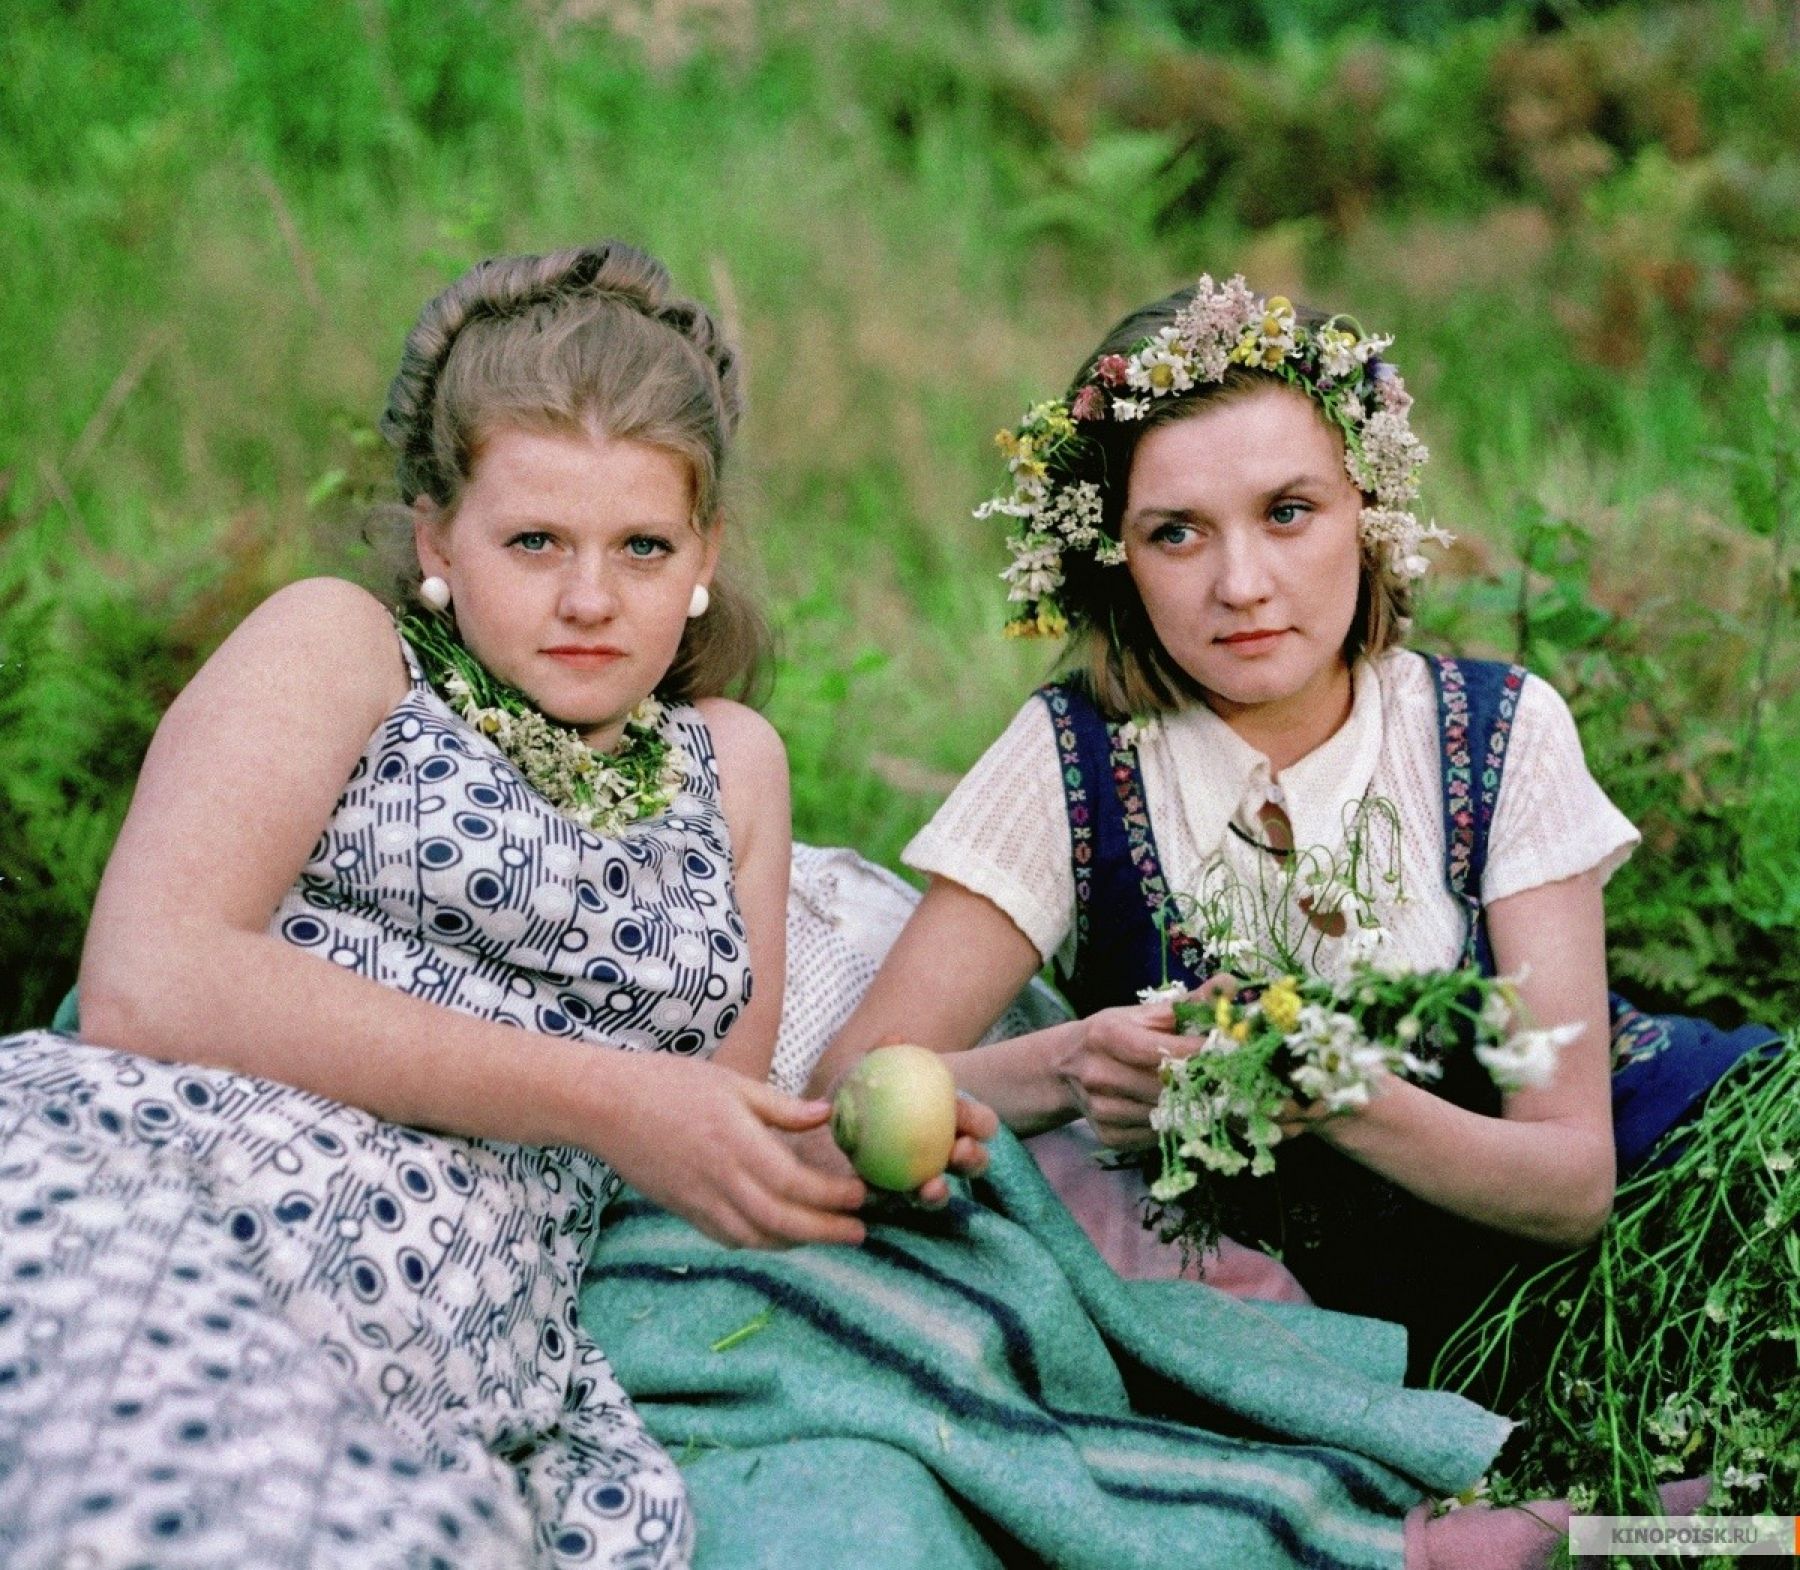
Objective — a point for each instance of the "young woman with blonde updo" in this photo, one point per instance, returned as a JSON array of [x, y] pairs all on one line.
[[386, 991]]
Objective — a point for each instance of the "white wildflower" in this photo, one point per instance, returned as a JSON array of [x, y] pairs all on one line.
[[1672, 1421], [1134, 732], [1386, 458], [1168, 992], [1337, 1063], [1337, 353], [1074, 513], [1273, 338], [1006, 507], [1211, 324], [1527, 1061], [1366, 945], [1173, 1185], [1397, 536], [1496, 1011], [1216, 1041], [1475, 1493], [1036, 568], [1159, 368]]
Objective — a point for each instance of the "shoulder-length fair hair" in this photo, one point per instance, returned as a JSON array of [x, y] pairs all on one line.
[[1112, 642], [585, 339]]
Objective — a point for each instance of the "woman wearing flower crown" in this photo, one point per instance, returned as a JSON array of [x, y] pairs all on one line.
[[1219, 516], [411, 950]]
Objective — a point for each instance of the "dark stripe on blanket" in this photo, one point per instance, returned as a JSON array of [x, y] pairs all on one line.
[[1225, 1428], [1368, 1484], [1021, 1356], [1276, 1525], [1362, 1482], [970, 1405], [920, 1374]]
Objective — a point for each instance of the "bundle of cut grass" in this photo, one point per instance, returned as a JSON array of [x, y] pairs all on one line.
[[1671, 1347]]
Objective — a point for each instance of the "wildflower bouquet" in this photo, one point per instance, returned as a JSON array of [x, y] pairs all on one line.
[[1303, 1041], [1329, 1015]]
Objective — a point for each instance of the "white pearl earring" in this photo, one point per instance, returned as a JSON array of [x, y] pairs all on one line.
[[435, 592], [698, 601]]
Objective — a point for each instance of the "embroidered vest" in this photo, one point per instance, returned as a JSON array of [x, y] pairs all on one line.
[[1356, 1241]]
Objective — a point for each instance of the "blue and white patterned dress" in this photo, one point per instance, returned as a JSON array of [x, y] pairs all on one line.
[[244, 1325]]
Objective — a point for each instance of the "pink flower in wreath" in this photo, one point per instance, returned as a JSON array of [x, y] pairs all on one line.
[[1090, 403], [1112, 369]]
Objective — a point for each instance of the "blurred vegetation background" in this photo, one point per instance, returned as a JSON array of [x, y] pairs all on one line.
[[1583, 222]]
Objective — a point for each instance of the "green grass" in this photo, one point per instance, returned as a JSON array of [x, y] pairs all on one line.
[[1671, 1347], [219, 222]]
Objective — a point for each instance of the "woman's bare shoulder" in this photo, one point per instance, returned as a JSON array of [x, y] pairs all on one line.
[[335, 634], [743, 740]]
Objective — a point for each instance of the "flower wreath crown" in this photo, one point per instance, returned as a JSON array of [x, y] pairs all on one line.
[[1334, 363]]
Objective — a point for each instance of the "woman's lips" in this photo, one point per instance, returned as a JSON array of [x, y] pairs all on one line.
[[1252, 642], [572, 654]]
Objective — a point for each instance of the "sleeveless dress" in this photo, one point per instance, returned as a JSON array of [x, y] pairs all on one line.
[[242, 1324], [1355, 1241]]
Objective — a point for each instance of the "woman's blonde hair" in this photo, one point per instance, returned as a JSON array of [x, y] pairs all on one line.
[[1112, 642], [584, 338]]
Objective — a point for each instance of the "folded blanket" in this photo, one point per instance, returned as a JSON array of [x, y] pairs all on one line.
[[986, 1350]]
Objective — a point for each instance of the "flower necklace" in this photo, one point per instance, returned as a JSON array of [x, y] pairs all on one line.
[[602, 791]]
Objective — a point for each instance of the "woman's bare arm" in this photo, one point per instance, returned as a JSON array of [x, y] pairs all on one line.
[[955, 967], [1545, 1168], [240, 779], [753, 780]]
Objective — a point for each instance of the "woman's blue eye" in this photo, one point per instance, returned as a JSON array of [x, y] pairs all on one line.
[[646, 546], [1167, 534], [1288, 512], [532, 541]]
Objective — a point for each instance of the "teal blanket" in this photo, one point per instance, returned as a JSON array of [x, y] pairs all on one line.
[[976, 1386]]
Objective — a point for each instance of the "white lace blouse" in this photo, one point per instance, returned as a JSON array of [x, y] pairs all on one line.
[[1004, 831]]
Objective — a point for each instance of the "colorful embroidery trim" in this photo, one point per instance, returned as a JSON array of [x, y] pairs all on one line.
[[1178, 943], [1081, 827]]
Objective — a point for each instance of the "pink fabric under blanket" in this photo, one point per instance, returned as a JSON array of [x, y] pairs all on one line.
[[1109, 1205], [1523, 1537], [1108, 1202]]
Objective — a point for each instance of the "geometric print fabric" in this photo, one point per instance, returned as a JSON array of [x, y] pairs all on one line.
[[241, 1324]]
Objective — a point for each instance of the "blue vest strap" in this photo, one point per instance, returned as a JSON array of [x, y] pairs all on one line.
[[1476, 703], [1116, 868]]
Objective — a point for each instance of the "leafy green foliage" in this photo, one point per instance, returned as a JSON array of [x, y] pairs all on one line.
[[97, 635], [1675, 699], [919, 217]]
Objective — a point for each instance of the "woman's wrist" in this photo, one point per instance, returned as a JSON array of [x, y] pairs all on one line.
[[1026, 1080], [1363, 1132]]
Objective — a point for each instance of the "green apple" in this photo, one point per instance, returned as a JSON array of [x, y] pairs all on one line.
[[894, 1116]]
